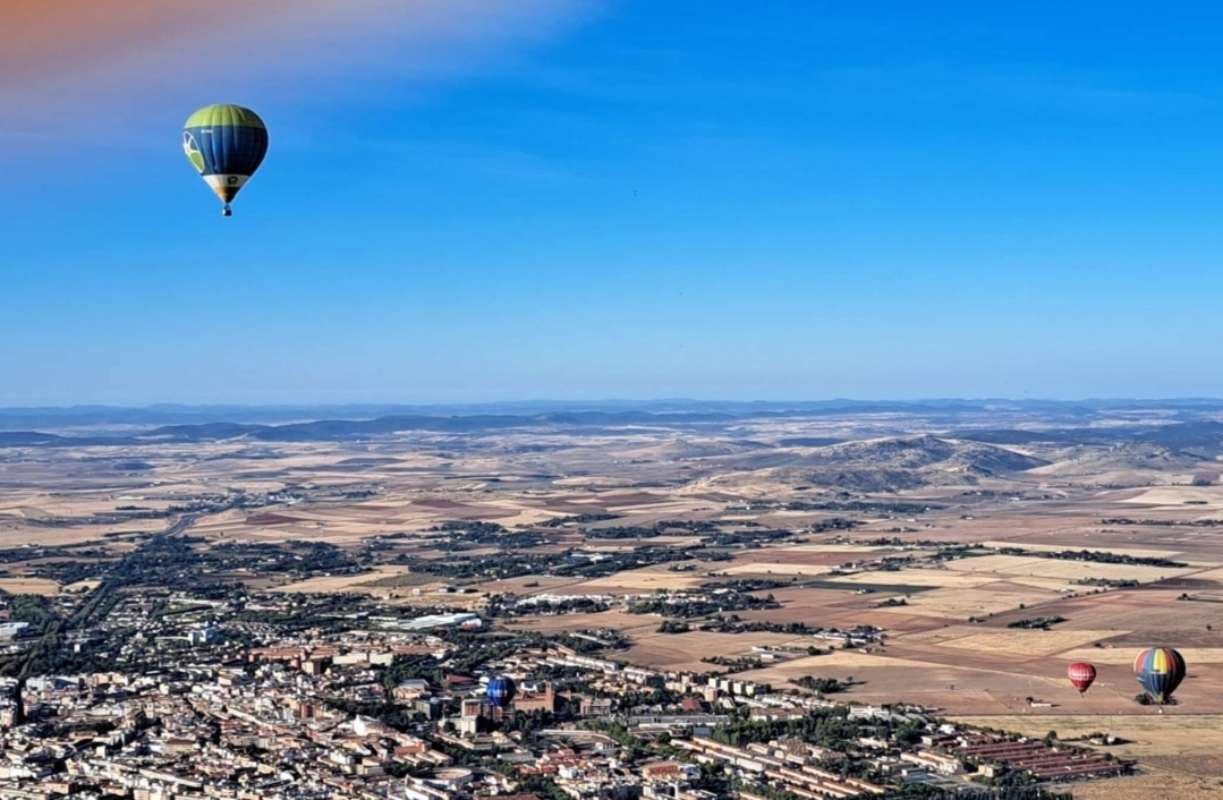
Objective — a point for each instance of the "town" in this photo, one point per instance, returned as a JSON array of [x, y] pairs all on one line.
[[261, 695]]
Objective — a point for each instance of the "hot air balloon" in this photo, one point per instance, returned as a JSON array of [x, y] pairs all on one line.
[[1082, 675], [225, 144], [500, 691], [1160, 670]]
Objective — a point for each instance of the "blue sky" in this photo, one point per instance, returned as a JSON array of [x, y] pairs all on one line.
[[630, 199]]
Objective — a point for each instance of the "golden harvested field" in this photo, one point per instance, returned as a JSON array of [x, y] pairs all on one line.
[[1153, 783], [1210, 575], [1067, 571], [1139, 552], [1145, 612], [956, 684], [367, 582], [19, 534], [29, 586], [936, 578], [684, 651], [633, 624], [833, 663], [526, 585], [643, 580], [1193, 655], [848, 550], [1176, 496], [961, 603], [777, 568], [1026, 643]]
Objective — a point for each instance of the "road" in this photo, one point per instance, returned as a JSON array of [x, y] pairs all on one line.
[[113, 577]]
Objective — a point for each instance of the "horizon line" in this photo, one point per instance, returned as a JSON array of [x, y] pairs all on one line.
[[171, 405]]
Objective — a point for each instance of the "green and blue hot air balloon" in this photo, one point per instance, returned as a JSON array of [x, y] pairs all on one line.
[[225, 144]]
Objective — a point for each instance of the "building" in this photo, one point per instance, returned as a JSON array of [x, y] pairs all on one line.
[[539, 701], [946, 765], [201, 636], [464, 619], [12, 630]]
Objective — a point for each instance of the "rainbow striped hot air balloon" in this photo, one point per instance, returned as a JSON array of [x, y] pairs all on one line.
[[1160, 670], [225, 144]]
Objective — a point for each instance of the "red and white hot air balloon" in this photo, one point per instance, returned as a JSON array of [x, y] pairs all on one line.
[[1082, 675]]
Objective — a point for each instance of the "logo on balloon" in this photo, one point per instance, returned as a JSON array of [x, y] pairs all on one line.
[[193, 152]]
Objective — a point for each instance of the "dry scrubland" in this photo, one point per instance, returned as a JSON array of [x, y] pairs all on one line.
[[950, 641]]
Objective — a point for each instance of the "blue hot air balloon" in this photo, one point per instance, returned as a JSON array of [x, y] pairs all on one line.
[[225, 144], [1160, 670], [500, 691]]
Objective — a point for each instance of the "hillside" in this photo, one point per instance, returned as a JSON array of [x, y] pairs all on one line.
[[878, 465]]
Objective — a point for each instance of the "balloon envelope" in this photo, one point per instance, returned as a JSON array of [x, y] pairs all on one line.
[[1160, 670], [225, 144], [1082, 675], [500, 691]]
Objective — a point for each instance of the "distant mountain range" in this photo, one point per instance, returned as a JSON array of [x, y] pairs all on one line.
[[1187, 424], [341, 429], [87, 416]]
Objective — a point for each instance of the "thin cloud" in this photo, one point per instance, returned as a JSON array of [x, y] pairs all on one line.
[[64, 58]]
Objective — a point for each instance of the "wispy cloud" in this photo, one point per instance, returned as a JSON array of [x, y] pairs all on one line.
[[64, 58]]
